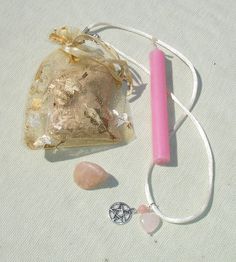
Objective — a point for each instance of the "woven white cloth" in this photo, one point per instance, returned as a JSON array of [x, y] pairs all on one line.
[[44, 216]]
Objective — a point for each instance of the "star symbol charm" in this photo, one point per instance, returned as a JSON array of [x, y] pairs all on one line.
[[120, 213]]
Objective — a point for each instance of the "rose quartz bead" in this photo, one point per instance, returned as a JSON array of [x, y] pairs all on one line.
[[150, 222], [89, 175], [143, 209]]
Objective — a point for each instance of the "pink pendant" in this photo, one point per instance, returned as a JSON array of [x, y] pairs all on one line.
[[150, 222]]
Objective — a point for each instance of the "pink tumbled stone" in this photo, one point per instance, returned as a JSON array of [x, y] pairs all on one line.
[[143, 209], [88, 175], [150, 222]]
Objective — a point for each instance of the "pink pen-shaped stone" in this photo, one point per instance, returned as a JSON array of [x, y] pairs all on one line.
[[160, 132]]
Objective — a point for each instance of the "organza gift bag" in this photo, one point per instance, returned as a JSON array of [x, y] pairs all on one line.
[[78, 96]]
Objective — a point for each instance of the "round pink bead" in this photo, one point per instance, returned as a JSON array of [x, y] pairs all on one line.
[[143, 209]]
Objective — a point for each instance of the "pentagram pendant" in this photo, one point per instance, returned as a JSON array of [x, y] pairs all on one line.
[[120, 213]]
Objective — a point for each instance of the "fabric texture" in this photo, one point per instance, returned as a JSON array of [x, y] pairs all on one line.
[[44, 215]]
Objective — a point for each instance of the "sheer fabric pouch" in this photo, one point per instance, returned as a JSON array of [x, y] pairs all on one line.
[[78, 96]]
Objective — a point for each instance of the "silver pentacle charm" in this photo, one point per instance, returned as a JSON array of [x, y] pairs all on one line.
[[120, 213]]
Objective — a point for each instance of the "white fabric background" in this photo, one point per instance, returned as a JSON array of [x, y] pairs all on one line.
[[44, 216]]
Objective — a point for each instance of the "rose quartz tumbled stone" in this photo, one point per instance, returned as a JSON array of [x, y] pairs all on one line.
[[88, 175]]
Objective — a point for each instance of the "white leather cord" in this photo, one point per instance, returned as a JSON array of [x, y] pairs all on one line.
[[148, 192], [186, 111]]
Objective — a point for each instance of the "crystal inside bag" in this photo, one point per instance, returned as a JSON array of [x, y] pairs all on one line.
[[78, 96]]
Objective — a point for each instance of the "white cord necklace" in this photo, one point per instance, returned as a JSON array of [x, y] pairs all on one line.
[[122, 207]]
